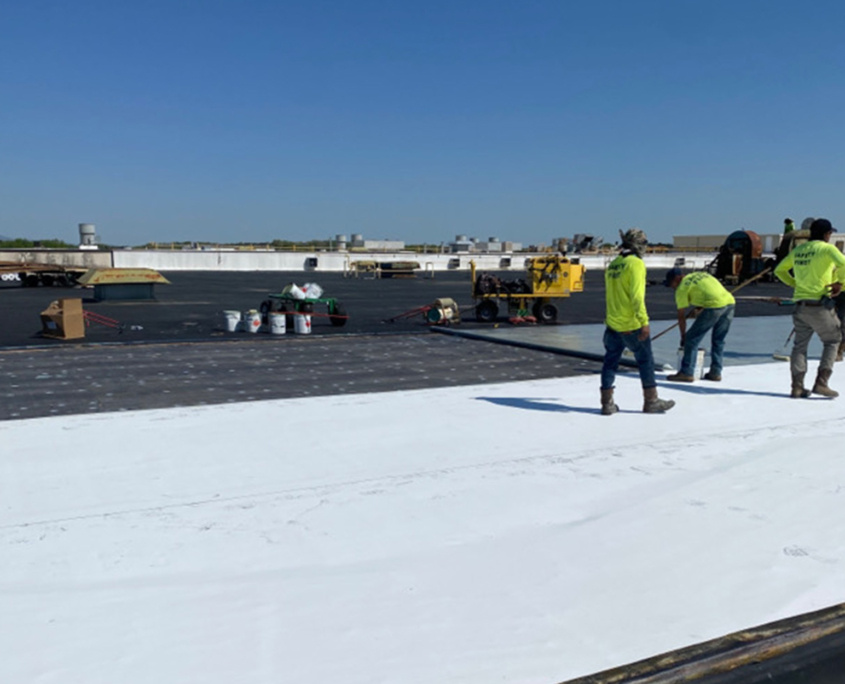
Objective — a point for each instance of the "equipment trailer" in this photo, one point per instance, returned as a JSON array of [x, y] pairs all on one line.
[[287, 303], [550, 278], [32, 274]]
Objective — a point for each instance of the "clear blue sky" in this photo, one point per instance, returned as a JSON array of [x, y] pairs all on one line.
[[527, 120]]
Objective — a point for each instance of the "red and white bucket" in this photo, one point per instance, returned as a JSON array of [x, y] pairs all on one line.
[[252, 321], [302, 324]]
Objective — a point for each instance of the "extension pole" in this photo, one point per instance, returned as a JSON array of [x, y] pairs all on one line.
[[780, 354]]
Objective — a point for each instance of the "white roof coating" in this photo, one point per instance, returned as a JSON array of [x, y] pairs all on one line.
[[501, 533]]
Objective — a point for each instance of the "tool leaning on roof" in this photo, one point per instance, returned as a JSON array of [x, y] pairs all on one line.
[[816, 270]]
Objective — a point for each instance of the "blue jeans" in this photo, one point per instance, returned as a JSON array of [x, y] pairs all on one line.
[[614, 344], [720, 321]]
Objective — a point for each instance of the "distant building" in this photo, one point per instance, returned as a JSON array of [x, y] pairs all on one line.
[[358, 242], [464, 245], [461, 244]]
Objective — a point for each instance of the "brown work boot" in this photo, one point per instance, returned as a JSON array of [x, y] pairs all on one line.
[[821, 385], [712, 377], [840, 351], [798, 390], [608, 408], [680, 377], [653, 404]]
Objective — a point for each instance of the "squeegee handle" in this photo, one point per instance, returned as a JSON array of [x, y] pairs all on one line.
[[671, 327]]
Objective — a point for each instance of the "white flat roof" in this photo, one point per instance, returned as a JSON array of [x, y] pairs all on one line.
[[473, 534]]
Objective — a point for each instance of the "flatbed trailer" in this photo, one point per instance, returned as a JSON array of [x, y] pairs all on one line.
[[550, 279], [33, 274]]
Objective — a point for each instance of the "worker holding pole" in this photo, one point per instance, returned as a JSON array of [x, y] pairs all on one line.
[[702, 291], [816, 270], [627, 325]]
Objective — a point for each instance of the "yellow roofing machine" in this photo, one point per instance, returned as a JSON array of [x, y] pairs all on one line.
[[550, 278]]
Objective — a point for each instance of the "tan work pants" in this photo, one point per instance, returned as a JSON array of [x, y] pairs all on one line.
[[814, 319]]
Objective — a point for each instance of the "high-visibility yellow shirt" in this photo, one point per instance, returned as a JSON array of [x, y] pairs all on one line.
[[816, 264], [624, 281], [702, 290]]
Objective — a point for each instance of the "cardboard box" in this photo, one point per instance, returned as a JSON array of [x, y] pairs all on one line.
[[63, 320]]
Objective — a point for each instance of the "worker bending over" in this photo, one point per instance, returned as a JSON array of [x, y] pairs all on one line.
[[702, 291], [627, 324], [818, 271]]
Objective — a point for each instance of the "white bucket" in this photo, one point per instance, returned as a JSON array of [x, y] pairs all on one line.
[[698, 358], [312, 290], [278, 323], [302, 324], [294, 291], [233, 320], [252, 321]]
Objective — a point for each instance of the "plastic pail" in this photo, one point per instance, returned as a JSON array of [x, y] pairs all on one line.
[[252, 321], [302, 324], [278, 323], [699, 363], [233, 319], [698, 359]]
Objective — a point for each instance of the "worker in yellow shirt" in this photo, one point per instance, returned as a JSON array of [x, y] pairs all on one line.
[[702, 291], [626, 323], [816, 270]]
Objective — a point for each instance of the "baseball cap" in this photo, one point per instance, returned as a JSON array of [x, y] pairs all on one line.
[[819, 228], [671, 274]]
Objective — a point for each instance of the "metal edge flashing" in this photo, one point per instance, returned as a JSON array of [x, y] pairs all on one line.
[[780, 651]]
